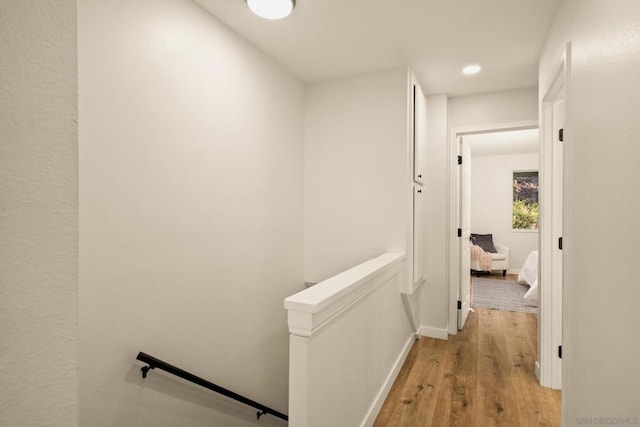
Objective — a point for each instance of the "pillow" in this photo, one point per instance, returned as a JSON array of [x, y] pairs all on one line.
[[485, 241]]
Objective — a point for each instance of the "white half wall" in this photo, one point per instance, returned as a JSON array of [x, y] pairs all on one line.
[[602, 226], [190, 215], [38, 213], [349, 339], [356, 177], [491, 202]]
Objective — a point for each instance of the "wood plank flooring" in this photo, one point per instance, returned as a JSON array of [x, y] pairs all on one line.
[[483, 376]]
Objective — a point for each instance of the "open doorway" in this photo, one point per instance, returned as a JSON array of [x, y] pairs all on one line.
[[504, 213], [459, 275], [460, 204], [498, 221]]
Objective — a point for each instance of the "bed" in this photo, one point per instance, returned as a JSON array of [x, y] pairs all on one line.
[[529, 276]]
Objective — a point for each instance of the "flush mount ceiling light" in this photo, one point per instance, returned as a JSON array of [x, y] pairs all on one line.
[[271, 9], [470, 70]]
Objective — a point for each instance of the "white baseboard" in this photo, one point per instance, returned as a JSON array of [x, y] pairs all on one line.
[[514, 270], [439, 333], [372, 414]]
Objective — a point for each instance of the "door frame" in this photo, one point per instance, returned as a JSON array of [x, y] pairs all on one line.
[[549, 366], [454, 206]]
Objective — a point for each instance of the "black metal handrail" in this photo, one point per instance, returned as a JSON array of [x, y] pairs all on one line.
[[153, 363]]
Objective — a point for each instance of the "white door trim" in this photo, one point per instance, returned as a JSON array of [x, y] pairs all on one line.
[[454, 200]]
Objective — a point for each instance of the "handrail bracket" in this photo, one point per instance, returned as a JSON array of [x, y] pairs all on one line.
[[146, 369]]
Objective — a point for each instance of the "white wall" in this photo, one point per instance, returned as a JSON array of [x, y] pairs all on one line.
[[493, 108], [356, 177], [38, 213], [602, 326], [190, 215], [491, 202], [435, 292]]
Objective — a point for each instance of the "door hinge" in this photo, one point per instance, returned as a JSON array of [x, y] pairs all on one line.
[[561, 134], [459, 160], [560, 243], [560, 351], [459, 232], [459, 305]]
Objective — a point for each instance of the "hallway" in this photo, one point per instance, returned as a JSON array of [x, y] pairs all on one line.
[[482, 376], [174, 170]]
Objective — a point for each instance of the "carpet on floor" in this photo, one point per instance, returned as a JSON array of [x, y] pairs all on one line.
[[500, 295]]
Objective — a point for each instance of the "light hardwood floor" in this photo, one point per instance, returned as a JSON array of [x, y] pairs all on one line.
[[483, 376]]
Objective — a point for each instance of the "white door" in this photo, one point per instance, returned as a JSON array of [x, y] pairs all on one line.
[[464, 293], [557, 231], [551, 274]]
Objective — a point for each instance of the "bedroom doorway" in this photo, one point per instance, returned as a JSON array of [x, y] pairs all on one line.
[[549, 324], [504, 219], [543, 354], [459, 280]]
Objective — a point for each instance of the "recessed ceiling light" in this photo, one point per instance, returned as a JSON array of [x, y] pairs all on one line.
[[471, 69], [271, 9]]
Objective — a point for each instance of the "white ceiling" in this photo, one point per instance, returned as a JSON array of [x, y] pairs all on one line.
[[325, 39], [500, 143]]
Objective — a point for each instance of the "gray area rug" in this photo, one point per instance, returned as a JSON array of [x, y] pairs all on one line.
[[500, 294]]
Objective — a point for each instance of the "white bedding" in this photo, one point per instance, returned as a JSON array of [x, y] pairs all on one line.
[[529, 276]]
